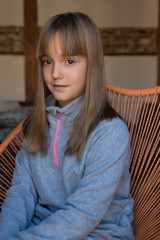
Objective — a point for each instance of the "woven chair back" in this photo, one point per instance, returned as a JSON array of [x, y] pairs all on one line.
[[140, 109]]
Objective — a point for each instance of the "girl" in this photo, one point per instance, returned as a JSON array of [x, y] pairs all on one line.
[[71, 180]]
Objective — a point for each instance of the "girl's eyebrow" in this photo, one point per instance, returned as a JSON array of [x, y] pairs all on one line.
[[62, 55], [67, 55], [43, 56]]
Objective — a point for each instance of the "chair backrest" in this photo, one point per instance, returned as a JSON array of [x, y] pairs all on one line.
[[8, 151], [140, 110]]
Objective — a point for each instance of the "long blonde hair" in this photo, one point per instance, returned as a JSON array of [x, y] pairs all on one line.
[[79, 36]]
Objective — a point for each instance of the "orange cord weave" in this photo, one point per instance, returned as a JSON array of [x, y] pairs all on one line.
[[141, 111]]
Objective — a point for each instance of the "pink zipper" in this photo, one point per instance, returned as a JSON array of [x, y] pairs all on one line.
[[55, 140]]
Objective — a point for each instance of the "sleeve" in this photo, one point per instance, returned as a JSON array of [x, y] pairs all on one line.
[[106, 162], [18, 207]]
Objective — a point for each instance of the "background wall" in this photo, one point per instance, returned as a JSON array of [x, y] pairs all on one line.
[[132, 71], [12, 85]]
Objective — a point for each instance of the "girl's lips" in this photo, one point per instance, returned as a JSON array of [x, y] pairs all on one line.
[[60, 87]]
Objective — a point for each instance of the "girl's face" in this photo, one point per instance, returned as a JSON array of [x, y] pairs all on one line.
[[65, 76]]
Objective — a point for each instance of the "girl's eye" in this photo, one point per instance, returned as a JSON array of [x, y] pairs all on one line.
[[46, 62], [70, 61]]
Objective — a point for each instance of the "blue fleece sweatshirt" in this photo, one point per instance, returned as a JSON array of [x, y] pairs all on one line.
[[56, 198]]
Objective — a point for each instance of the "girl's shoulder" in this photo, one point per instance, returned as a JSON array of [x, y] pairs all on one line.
[[116, 124], [109, 141], [111, 129]]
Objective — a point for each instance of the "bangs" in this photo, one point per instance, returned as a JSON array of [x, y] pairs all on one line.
[[72, 43]]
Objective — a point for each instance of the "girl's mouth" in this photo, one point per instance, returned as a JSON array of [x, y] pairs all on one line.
[[60, 87]]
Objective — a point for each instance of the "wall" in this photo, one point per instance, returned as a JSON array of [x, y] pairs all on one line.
[[12, 85], [106, 13], [126, 71]]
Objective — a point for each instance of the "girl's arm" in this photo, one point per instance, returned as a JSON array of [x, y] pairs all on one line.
[[18, 207], [106, 163]]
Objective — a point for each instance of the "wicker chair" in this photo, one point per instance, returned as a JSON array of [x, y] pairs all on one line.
[[141, 111]]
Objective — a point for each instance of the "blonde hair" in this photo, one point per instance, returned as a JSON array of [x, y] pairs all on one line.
[[79, 36]]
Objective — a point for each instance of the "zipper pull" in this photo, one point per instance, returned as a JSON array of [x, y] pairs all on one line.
[[55, 140]]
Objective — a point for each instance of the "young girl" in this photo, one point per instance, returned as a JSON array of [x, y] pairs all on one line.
[[71, 180]]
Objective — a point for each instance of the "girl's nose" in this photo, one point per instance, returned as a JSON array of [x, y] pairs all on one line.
[[57, 72]]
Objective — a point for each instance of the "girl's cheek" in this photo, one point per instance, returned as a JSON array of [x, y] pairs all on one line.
[[45, 73], [45, 77]]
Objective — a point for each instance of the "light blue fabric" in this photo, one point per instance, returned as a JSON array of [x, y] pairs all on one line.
[[91, 238], [72, 201]]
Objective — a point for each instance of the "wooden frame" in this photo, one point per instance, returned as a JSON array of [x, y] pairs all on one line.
[[30, 44]]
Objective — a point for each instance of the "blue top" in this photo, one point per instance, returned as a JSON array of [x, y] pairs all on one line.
[[56, 198]]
